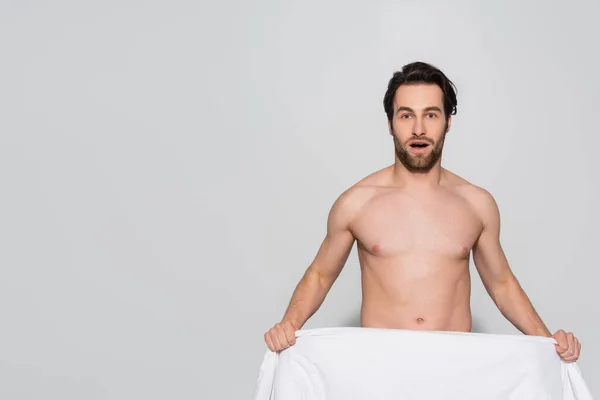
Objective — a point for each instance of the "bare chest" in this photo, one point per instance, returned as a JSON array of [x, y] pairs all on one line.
[[399, 226]]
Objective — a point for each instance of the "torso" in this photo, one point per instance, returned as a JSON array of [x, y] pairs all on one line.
[[414, 251]]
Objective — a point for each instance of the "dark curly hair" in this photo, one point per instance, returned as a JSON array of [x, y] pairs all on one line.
[[420, 72]]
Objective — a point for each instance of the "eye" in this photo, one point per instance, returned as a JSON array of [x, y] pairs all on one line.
[[404, 116], [432, 115]]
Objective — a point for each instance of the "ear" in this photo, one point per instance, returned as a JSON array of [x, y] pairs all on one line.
[[449, 123], [390, 128]]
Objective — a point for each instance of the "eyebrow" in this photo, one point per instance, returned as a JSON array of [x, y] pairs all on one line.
[[432, 108]]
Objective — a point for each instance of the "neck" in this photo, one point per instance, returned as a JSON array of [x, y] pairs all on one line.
[[417, 180]]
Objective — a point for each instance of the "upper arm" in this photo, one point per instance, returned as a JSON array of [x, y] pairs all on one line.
[[488, 255], [337, 244]]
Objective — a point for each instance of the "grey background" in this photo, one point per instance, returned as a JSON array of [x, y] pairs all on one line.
[[167, 169]]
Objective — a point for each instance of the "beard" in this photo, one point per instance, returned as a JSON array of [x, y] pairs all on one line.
[[420, 163]]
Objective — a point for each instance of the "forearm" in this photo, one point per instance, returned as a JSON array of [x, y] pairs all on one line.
[[307, 297], [516, 307]]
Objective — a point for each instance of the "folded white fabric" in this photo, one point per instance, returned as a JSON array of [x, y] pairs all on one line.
[[390, 364]]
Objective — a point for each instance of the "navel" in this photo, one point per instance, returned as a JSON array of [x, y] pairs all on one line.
[[420, 320]]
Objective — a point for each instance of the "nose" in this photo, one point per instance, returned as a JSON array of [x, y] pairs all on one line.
[[418, 127]]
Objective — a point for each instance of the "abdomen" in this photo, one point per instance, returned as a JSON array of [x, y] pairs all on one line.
[[423, 293]]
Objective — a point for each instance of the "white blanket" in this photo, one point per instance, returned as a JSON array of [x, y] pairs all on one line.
[[382, 364]]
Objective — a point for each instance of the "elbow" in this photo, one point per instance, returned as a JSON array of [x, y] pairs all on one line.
[[504, 287], [320, 276]]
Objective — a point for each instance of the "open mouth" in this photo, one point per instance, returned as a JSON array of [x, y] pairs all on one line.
[[419, 145]]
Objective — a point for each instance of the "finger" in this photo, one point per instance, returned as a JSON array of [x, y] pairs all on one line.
[[571, 340], [568, 353], [275, 340], [290, 333], [269, 342], [561, 339], [281, 336], [570, 347], [577, 348], [570, 359]]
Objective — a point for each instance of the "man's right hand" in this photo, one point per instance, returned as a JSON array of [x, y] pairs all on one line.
[[281, 336]]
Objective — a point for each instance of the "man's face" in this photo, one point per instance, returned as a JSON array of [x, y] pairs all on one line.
[[419, 126]]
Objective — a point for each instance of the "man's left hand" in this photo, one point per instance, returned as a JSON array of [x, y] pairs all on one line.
[[568, 346]]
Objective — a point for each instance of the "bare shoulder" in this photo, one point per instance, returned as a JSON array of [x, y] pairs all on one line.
[[353, 198], [480, 199], [349, 203]]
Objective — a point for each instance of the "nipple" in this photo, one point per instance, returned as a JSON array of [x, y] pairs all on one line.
[[376, 248], [465, 250]]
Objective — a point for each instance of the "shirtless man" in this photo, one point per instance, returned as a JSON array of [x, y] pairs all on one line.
[[415, 225]]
